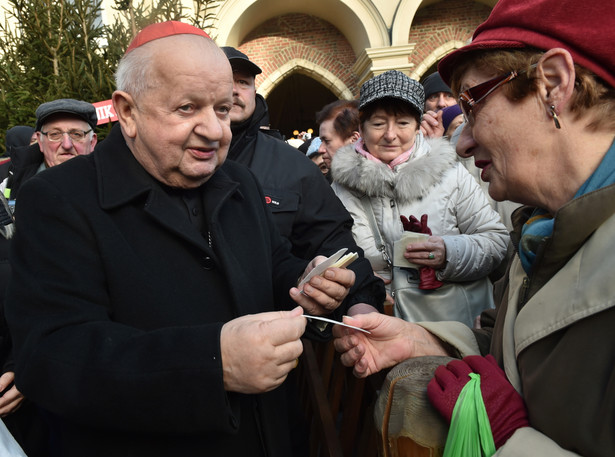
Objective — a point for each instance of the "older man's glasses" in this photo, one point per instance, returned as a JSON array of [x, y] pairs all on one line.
[[471, 97], [75, 135]]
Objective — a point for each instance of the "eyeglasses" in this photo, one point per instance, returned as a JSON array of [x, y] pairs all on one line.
[[471, 97], [75, 135]]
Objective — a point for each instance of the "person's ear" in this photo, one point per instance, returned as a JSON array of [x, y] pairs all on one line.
[[39, 140], [355, 136], [556, 74], [125, 109], [93, 141]]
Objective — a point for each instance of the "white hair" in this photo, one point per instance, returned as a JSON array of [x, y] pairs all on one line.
[[134, 72]]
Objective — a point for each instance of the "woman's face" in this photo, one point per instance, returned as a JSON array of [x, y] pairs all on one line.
[[505, 140], [387, 136]]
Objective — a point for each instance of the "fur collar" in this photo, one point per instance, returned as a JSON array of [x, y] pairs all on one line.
[[409, 181]]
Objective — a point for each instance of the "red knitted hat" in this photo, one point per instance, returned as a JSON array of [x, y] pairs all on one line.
[[161, 30], [585, 29]]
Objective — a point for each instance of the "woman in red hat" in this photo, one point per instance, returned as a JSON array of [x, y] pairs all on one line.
[[537, 87]]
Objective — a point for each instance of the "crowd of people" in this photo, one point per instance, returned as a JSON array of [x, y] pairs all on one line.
[[151, 289]]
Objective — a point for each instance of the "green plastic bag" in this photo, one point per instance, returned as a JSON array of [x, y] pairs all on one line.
[[470, 432]]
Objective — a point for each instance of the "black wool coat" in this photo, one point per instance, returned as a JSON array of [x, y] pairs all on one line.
[[116, 303]]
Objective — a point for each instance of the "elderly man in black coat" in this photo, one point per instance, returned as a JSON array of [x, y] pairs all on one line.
[[153, 301]]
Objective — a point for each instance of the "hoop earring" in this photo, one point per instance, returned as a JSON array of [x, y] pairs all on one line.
[[555, 118]]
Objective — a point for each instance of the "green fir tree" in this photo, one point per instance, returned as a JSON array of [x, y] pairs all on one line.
[[62, 49]]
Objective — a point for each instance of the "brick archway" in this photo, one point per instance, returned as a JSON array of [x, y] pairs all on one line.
[[306, 44], [303, 66], [434, 57], [358, 20]]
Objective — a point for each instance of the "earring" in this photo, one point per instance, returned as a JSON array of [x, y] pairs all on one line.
[[555, 118]]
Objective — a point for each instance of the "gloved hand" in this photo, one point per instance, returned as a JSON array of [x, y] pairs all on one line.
[[505, 407], [412, 224], [427, 275]]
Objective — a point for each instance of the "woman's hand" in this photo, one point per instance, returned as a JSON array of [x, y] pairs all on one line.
[[429, 253], [391, 340]]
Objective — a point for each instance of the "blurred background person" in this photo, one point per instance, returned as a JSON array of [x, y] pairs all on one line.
[[452, 117], [338, 126], [16, 137], [437, 97], [310, 148], [437, 93]]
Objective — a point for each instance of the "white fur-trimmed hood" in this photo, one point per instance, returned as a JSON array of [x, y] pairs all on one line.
[[409, 181]]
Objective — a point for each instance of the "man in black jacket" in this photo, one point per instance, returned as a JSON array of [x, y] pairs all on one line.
[[305, 209]]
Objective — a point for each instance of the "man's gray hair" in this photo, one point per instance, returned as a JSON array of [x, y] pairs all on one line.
[[134, 72]]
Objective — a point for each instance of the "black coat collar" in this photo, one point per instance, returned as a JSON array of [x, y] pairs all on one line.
[[121, 181], [121, 178]]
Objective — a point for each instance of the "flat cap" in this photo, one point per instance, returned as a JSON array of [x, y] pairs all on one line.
[[240, 61], [393, 84], [78, 108], [162, 30]]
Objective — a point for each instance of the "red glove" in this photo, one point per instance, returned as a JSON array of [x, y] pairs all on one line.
[[427, 275], [505, 407], [413, 225]]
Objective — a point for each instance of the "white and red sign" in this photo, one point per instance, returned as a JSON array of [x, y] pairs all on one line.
[[105, 112]]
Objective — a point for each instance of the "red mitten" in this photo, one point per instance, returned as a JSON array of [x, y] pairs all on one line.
[[427, 275], [505, 407]]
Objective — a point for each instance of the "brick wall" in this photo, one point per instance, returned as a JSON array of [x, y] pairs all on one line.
[[442, 22], [293, 36]]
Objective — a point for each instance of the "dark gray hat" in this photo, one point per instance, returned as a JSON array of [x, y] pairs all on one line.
[[84, 110], [240, 61], [434, 84], [393, 84]]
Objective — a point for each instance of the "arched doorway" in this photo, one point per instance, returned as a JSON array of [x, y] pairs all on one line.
[[429, 71], [293, 104]]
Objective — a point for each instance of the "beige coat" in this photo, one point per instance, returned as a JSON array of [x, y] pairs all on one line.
[[558, 350]]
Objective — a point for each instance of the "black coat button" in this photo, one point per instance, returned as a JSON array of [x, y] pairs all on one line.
[[207, 263]]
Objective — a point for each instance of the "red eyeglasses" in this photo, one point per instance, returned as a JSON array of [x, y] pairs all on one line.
[[471, 97]]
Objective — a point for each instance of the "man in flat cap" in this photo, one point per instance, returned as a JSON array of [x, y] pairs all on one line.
[[153, 304], [65, 129]]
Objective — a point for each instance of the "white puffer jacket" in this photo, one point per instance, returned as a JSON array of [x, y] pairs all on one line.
[[431, 182]]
